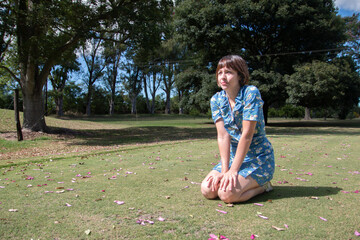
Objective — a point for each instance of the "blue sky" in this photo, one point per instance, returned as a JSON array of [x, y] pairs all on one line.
[[348, 7]]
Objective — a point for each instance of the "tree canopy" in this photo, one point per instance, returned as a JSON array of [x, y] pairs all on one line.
[[174, 46]]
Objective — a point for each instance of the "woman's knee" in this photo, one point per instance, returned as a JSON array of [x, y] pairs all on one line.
[[207, 192], [231, 196]]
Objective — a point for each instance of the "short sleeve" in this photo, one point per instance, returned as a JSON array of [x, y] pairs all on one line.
[[253, 104], [215, 108]]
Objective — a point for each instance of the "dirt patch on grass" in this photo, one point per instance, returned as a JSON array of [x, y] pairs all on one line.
[[27, 135], [54, 143]]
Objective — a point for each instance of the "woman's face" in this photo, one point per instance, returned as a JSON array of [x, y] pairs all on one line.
[[228, 78]]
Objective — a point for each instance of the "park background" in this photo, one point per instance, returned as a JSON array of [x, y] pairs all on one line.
[[94, 164], [99, 57]]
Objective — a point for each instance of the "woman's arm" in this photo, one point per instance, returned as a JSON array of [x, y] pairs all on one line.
[[229, 179], [223, 138], [224, 148]]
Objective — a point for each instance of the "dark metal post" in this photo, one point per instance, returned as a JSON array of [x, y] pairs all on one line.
[[17, 118]]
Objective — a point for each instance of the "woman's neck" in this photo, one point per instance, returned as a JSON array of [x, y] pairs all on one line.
[[232, 93]]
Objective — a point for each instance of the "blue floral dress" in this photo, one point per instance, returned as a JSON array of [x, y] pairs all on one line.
[[259, 162]]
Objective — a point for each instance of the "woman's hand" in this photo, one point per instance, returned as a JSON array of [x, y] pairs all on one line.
[[228, 181], [214, 181]]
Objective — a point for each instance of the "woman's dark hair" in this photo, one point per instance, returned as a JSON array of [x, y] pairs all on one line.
[[236, 63]]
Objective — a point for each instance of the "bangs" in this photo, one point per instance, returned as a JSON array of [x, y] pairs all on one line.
[[236, 63], [226, 62]]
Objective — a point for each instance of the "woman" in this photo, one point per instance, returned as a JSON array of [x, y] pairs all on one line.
[[247, 158]]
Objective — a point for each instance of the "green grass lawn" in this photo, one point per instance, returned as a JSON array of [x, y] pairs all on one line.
[[139, 179]]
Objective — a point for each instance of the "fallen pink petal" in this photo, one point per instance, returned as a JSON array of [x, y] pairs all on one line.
[[119, 202], [68, 205], [213, 236], [263, 217], [253, 236], [259, 204], [221, 211], [161, 219], [285, 225], [357, 233], [324, 219]]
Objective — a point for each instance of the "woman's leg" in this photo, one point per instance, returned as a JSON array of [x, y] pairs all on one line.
[[206, 185], [245, 189]]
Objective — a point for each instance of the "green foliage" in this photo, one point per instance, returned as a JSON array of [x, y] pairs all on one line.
[[197, 88], [287, 111], [266, 33], [312, 85], [324, 85], [348, 86], [353, 36]]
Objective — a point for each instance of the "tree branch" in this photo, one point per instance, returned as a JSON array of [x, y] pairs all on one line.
[[11, 73]]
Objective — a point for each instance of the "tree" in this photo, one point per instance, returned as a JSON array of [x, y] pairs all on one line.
[[133, 84], [45, 29], [271, 35], [151, 83], [59, 77], [348, 86], [353, 36], [113, 52], [313, 85], [271, 85], [92, 54]]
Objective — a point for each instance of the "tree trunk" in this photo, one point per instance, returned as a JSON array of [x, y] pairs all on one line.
[[112, 106], [168, 103], [181, 109], [17, 117], [146, 94], [89, 98], [59, 105], [133, 105], [307, 114], [33, 105], [112, 101]]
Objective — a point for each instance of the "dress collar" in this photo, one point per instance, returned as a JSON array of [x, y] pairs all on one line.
[[225, 105]]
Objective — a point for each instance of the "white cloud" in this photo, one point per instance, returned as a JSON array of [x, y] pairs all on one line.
[[351, 5]]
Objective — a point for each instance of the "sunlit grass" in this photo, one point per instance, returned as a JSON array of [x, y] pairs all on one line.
[[317, 175]]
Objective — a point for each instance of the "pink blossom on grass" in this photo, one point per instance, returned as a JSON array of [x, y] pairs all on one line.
[[262, 216], [119, 202], [357, 233], [161, 219], [221, 211], [324, 219], [259, 204]]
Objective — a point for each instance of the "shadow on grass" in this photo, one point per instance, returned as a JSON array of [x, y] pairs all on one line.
[[205, 130], [281, 192], [291, 127], [134, 135]]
